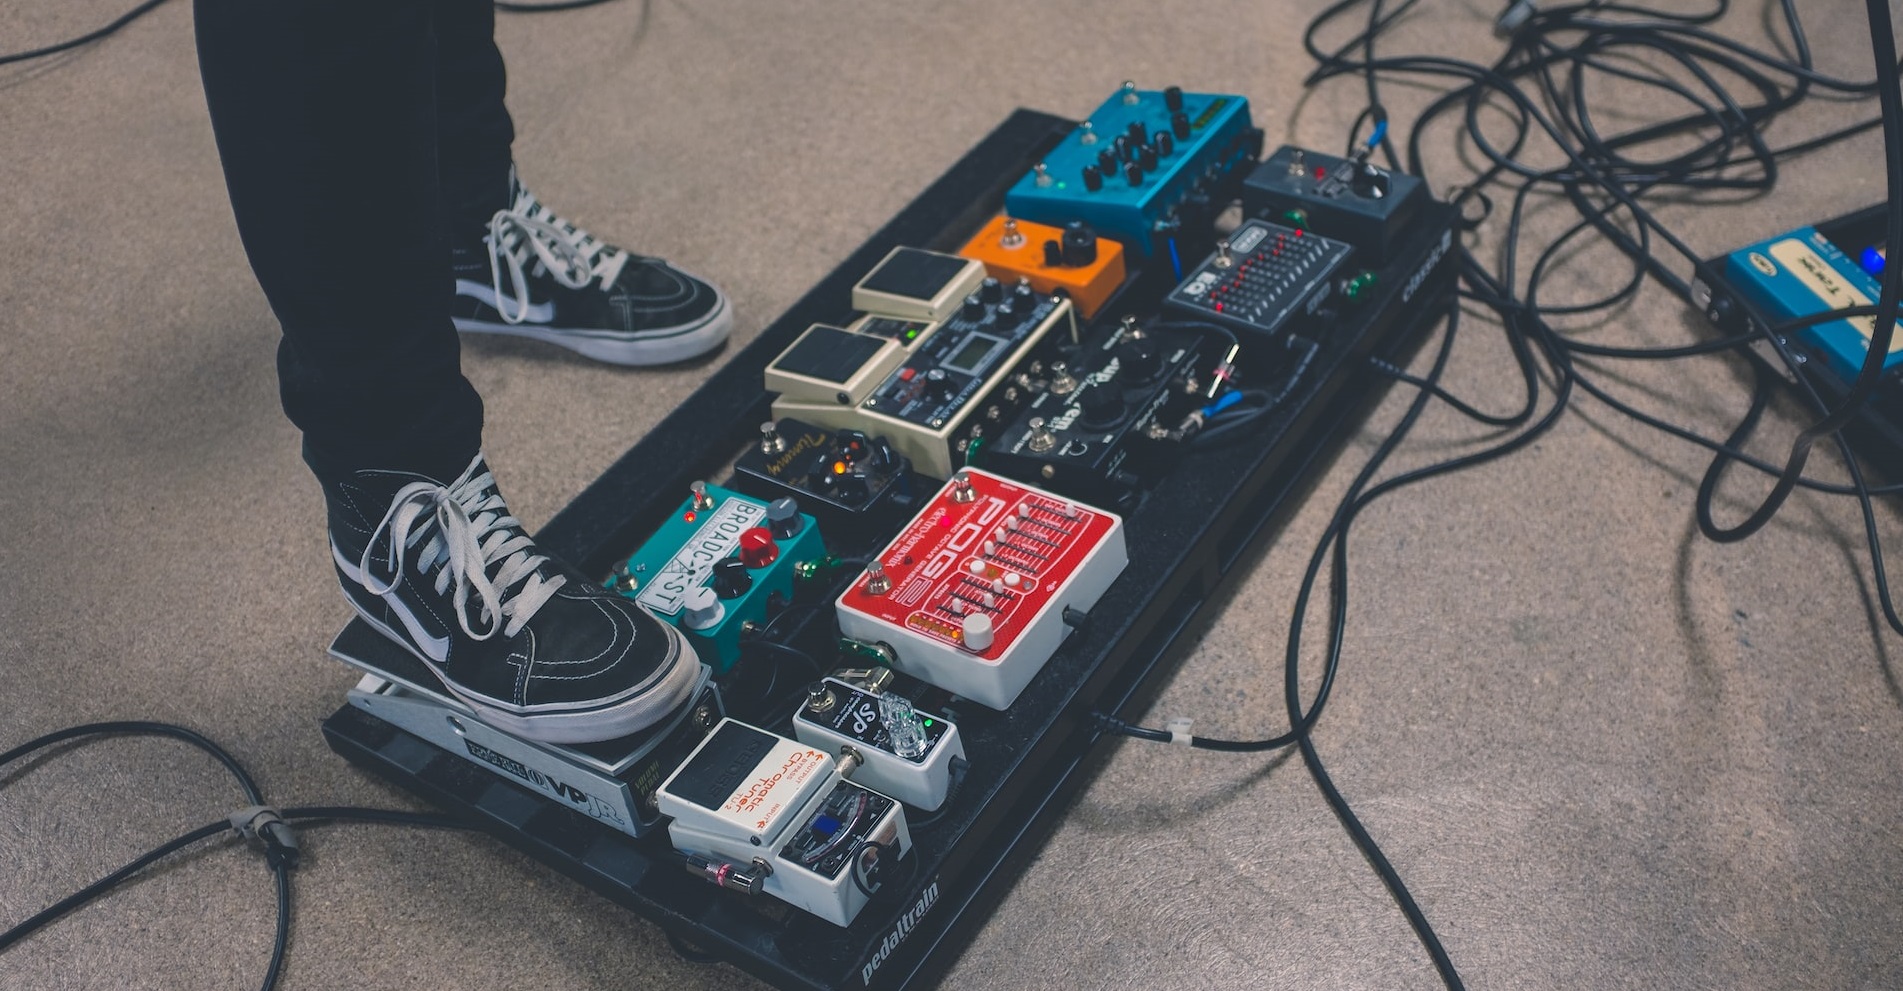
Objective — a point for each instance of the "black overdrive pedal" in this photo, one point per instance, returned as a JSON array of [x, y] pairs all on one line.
[[1104, 417], [838, 475], [1350, 200], [1262, 278]]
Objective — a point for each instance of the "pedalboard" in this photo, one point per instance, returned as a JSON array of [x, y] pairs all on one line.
[[759, 813], [1262, 279], [1350, 200], [1110, 414], [1145, 164], [721, 561], [908, 754], [1071, 259], [843, 476], [973, 594], [943, 397], [915, 284]]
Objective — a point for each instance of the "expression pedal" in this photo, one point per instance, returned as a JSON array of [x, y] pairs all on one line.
[[614, 782], [972, 594], [908, 754], [755, 812]]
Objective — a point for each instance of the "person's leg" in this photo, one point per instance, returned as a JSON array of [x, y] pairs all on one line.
[[474, 131], [325, 112], [325, 115]]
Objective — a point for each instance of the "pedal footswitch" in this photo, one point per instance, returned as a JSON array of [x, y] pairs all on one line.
[[760, 813], [917, 284], [972, 594]]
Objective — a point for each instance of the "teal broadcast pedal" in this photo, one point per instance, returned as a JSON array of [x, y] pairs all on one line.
[[717, 563]]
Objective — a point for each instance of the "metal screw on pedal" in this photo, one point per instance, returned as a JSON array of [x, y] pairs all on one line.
[[1041, 439], [1130, 92], [1043, 174], [820, 699], [1132, 332], [770, 440], [1012, 237], [704, 716], [876, 581], [1223, 258], [1297, 164], [961, 488], [701, 499], [1086, 134], [1063, 383]]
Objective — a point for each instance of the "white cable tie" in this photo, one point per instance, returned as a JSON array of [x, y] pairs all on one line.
[[1179, 730]]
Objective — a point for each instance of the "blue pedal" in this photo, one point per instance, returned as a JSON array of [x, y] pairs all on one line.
[[1131, 169], [1803, 273], [715, 563]]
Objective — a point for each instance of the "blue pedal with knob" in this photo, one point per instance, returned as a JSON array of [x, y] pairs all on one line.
[[716, 563], [1142, 164]]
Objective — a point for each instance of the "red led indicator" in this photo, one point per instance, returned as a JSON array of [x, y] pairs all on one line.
[[689, 516], [1320, 173], [1218, 307]]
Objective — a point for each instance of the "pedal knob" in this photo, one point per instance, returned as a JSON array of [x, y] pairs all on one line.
[[702, 609], [940, 385], [1141, 360], [1138, 133], [1173, 99], [1146, 157], [1164, 143], [757, 549], [1133, 173], [1023, 291], [783, 518], [1080, 244], [977, 631], [990, 290], [731, 580], [1053, 254], [1179, 125], [1107, 161], [1093, 178], [1100, 407], [974, 307]]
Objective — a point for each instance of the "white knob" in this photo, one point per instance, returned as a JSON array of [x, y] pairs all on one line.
[[703, 609], [977, 632]]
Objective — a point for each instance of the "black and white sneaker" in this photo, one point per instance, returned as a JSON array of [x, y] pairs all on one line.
[[536, 275], [529, 644]]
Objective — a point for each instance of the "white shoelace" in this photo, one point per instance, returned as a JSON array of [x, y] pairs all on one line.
[[465, 513], [530, 234]]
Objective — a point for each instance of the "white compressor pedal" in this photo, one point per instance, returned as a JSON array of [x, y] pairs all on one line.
[[756, 812], [908, 754], [971, 595]]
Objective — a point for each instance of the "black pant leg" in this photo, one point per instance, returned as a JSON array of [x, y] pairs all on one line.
[[473, 128], [325, 113]]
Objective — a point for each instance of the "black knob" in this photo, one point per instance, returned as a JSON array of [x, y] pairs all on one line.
[[1023, 291], [1093, 178], [852, 489], [1146, 157], [1370, 182], [1053, 254], [1179, 125], [1139, 361], [1165, 142], [1133, 173], [1138, 133], [783, 518], [939, 385], [1080, 244], [1173, 99], [1100, 407], [974, 307], [731, 580], [1107, 162], [990, 290]]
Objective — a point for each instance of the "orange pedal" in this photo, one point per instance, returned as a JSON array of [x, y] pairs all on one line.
[[1010, 258]]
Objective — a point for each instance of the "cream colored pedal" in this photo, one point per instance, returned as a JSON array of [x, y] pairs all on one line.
[[842, 365], [917, 284]]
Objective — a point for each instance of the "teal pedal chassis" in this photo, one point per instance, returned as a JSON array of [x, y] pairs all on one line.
[[717, 563], [1141, 163]]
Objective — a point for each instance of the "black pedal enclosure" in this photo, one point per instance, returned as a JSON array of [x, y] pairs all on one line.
[[1101, 448], [875, 489], [1375, 226]]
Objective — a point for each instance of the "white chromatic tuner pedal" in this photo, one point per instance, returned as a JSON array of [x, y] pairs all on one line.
[[972, 593], [757, 812], [908, 754]]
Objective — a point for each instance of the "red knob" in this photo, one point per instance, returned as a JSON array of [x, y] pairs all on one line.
[[757, 548]]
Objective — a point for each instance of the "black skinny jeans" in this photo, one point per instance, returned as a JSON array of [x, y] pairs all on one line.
[[357, 136]]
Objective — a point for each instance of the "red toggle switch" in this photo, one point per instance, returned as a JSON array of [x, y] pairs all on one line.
[[757, 548]]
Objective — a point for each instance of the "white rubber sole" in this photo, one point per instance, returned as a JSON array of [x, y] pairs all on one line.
[[608, 721], [617, 348]]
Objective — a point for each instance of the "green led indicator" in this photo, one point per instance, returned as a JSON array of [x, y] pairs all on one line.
[[928, 724]]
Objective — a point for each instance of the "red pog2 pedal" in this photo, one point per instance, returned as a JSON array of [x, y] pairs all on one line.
[[971, 595]]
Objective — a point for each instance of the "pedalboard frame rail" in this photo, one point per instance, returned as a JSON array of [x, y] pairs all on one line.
[[1185, 540]]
